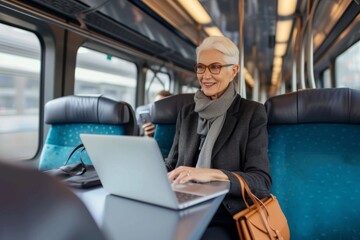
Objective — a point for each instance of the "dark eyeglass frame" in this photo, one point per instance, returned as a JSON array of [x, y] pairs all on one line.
[[209, 67]]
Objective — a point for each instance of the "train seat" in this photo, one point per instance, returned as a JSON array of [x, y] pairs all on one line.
[[34, 206], [164, 114], [71, 115], [314, 152]]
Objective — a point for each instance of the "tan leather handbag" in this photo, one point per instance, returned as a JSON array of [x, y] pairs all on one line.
[[263, 220]]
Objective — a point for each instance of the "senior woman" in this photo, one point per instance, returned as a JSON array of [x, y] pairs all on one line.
[[219, 133]]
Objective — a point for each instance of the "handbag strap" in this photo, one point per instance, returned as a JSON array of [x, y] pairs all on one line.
[[83, 166], [257, 202], [73, 151]]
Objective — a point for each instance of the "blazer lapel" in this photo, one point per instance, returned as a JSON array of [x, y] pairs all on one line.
[[192, 142], [228, 127]]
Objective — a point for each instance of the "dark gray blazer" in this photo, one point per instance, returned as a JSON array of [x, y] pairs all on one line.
[[241, 147]]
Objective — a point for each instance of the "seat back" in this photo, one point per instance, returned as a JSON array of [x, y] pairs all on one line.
[[70, 116], [35, 206], [314, 152], [164, 113]]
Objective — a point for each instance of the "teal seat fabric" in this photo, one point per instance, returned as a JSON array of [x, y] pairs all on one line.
[[72, 115], [63, 138], [314, 152], [164, 135], [316, 177], [164, 113]]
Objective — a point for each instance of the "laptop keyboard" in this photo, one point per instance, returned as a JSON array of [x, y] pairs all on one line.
[[184, 197]]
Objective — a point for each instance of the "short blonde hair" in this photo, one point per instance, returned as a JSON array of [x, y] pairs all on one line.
[[223, 45]]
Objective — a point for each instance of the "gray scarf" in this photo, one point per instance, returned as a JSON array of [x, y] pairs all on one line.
[[212, 115]]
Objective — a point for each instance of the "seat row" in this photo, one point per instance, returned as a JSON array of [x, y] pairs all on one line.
[[314, 153], [70, 116], [314, 149]]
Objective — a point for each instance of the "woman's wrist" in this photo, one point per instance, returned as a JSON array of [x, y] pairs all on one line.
[[220, 175]]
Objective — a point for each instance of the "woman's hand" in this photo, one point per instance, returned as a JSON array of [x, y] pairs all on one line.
[[185, 174]]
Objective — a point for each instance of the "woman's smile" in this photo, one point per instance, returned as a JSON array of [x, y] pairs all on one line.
[[208, 84]]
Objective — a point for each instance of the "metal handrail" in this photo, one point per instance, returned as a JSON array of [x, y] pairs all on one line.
[[242, 85]]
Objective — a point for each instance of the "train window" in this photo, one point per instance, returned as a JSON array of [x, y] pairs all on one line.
[[327, 78], [188, 89], [99, 73], [20, 56], [347, 68], [155, 82]]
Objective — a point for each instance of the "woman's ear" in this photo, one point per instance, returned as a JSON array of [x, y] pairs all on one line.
[[235, 69]]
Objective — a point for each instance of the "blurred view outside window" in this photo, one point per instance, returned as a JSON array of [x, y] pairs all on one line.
[[327, 78], [99, 73], [20, 56], [155, 82], [347, 68]]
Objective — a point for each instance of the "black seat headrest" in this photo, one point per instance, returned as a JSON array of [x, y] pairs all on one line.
[[87, 109], [23, 207], [165, 111], [326, 105]]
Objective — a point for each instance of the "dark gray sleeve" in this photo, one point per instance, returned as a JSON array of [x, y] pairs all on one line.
[[256, 171]]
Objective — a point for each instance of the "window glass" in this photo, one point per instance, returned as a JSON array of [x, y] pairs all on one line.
[[99, 73], [155, 82], [327, 78], [20, 56], [347, 68], [189, 89]]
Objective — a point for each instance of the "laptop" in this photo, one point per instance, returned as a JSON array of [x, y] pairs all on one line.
[[161, 223], [133, 167]]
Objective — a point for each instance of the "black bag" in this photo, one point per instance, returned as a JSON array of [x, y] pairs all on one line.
[[78, 175]]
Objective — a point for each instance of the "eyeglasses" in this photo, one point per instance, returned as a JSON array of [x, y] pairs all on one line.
[[214, 68]]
